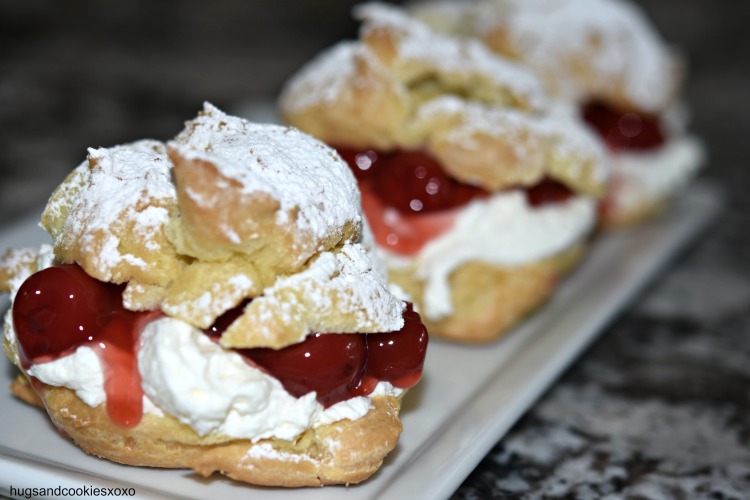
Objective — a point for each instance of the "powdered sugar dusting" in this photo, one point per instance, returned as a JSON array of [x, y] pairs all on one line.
[[323, 78], [221, 297], [480, 118], [15, 266], [449, 55], [548, 32], [337, 284], [458, 62], [279, 161], [556, 132], [122, 187], [267, 451]]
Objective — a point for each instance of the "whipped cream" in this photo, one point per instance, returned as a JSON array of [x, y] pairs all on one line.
[[503, 230], [645, 178]]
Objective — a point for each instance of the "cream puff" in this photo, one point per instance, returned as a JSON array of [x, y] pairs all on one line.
[[209, 304], [606, 65], [478, 197]]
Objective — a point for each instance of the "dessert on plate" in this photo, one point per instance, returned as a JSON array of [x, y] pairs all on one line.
[[605, 64], [479, 198], [203, 305]]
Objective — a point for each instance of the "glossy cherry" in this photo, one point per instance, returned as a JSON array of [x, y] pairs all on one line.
[[340, 366], [55, 312], [329, 364], [410, 181], [61, 308], [413, 182], [548, 191], [397, 357], [624, 129], [363, 163]]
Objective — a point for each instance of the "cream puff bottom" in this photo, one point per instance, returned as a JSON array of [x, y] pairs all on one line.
[[345, 452], [488, 300]]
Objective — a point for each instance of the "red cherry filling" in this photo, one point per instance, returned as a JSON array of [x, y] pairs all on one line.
[[410, 181], [340, 366], [332, 365], [396, 357], [62, 308], [624, 130], [407, 197], [409, 200], [58, 299], [548, 191]]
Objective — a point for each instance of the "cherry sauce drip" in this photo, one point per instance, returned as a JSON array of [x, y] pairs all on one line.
[[60, 309], [624, 130], [340, 366]]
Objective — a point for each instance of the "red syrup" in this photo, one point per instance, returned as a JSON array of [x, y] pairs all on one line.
[[61, 308], [340, 366], [624, 130], [409, 199]]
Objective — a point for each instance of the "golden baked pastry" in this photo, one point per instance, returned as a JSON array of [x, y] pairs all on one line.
[[604, 63], [474, 188], [174, 320], [344, 452]]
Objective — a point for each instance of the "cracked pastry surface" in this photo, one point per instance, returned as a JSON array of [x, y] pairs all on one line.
[[404, 86], [221, 222], [485, 120], [601, 52], [239, 216]]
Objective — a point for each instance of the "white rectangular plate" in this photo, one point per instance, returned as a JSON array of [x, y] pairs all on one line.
[[470, 395]]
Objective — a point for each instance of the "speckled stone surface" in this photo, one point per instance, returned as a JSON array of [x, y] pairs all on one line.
[[657, 408]]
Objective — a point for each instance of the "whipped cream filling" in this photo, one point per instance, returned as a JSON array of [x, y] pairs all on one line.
[[647, 177], [642, 178], [209, 388], [504, 230], [215, 391], [186, 375]]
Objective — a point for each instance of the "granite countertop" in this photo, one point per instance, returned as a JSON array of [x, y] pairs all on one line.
[[656, 408]]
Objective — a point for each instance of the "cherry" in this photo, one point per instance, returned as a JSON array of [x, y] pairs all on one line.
[[624, 130], [362, 163], [548, 191], [224, 321], [329, 364], [413, 182], [62, 308], [55, 312], [397, 357], [340, 366], [407, 197], [409, 181]]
